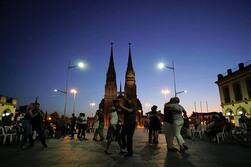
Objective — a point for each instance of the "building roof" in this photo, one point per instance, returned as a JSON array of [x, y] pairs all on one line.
[[242, 68]]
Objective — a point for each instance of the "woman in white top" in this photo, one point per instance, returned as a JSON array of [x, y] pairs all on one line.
[[112, 127], [177, 111]]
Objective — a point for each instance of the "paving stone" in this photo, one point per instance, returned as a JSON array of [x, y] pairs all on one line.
[[66, 152]]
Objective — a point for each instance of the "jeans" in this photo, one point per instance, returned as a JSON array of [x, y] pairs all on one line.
[[169, 133], [178, 123]]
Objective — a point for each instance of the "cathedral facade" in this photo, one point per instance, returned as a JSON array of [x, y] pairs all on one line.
[[112, 93]]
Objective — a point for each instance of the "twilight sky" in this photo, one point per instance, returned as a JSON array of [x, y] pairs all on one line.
[[39, 37]]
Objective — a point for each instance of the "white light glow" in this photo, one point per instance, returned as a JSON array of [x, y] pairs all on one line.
[[81, 65], [74, 91], [92, 104], [161, 66], [165, 91]]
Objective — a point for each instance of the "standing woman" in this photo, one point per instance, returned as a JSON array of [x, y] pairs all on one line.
[[178, 121]]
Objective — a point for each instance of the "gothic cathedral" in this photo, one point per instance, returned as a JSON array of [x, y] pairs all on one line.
[[130, 88]]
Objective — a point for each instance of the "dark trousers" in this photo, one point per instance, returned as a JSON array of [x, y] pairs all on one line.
[[72, 130], [127, 137], [150, 135], [153, 136], [81, 130], [27, 134], [40, 132]]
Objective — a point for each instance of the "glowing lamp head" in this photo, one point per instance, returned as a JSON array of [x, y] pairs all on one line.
[[55, 90], [92, 104], [73, 91], [161, 66], [240, 112], [81, 65], [165, 91]]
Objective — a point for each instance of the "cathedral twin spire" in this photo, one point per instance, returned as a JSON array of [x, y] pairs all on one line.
[[129, 64], [111, 84]]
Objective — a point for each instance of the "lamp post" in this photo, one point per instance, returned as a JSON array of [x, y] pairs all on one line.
[[69, 67], [162, 66], [74, 92], [92, 105]]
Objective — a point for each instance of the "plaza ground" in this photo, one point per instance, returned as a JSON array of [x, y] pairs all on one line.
[[66, 152]]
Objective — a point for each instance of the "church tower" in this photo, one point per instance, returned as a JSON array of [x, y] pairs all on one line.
[[130, 82], [110, 87]]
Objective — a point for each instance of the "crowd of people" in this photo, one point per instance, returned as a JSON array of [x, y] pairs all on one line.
[[175, 125]]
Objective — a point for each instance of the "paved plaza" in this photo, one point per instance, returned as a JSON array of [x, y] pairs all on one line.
[[66, 152]]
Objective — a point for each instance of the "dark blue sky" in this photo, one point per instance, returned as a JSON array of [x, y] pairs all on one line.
[[203, 38]]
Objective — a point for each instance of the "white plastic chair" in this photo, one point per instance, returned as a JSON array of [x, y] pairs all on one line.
[[221, 135], [197, 132], [5, 134]]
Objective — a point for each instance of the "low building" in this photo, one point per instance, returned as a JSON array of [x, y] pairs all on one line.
[[7, 108], [235, 92]]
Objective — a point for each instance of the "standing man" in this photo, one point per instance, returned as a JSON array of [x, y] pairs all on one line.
[[128, 128], [73, 123], [168, 126], [37, 122], [101, 124]]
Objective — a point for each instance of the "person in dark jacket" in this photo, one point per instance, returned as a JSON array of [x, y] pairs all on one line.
[[154, 126], [37, 122], [128, 127], [73, 124]]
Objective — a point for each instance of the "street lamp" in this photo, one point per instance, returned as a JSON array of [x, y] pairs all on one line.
[[183, 91], [78, 65], [74, 92], [92, 105], [162, 66], [165, 92], [58, 90], [148, 106]]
